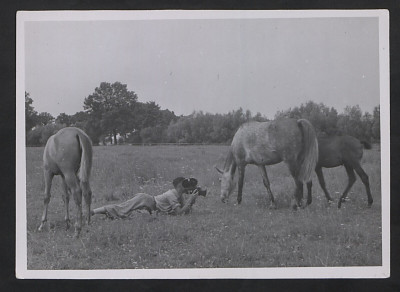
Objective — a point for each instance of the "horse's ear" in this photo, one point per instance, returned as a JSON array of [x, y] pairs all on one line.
[[220, 171]]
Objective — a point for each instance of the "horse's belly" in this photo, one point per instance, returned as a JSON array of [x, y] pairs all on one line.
[[263, 158]]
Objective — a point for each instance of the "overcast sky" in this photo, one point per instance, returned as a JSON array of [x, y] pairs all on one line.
[[216, 65]]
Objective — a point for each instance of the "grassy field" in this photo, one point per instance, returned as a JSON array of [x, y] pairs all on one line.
[[214, 235]]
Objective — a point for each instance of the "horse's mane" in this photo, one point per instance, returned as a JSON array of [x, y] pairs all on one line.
[[229, 160]]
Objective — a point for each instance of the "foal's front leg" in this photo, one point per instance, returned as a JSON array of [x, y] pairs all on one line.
[[321, 181]]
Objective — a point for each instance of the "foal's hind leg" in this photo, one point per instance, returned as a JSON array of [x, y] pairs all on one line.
[[352, 179], [267, 185], [48, 177], [73, 184], [66, 203], [321, 181], [365, 180]]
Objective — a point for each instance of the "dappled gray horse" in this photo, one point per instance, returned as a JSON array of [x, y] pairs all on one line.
[[289, 140], [69, 153], [341, 150]]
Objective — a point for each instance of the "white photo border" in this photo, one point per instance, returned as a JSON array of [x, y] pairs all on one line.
[[207, 273]]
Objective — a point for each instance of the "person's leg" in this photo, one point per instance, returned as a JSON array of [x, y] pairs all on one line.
[[100, 210], [123, 210]]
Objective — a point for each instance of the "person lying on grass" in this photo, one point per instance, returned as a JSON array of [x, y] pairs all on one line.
[[171, 202]]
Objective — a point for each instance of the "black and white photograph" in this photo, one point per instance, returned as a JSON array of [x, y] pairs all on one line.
[[177, 144]]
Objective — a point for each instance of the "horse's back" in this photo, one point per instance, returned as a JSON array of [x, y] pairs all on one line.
[[62, 152], [338, 150], [267, 142]]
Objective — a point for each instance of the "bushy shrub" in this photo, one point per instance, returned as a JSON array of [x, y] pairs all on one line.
[[39, 135]]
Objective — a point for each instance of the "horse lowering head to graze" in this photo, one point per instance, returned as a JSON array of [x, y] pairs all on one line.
[[68, 153], [341, 150], [289, 140]]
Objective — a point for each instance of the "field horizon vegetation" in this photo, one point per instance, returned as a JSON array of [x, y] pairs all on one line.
[[213, 235]]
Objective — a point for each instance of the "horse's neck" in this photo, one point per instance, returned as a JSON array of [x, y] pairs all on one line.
[[230, 163]]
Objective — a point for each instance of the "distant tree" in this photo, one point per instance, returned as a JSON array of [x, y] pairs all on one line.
[[376, 124], [148, 115], [350, 122], [108, 104], [180, 131], [207, 128], [221, 132], [40, 134], [167, 117], [92, 127], [45, 118], [323, 118], [259, 118], [31, 116], [151, 134], [64, 119], [367, 123]]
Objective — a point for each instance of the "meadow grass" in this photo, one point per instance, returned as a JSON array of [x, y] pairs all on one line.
[[213, 235]]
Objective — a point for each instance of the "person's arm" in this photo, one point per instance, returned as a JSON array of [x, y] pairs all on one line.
[[188, 204]]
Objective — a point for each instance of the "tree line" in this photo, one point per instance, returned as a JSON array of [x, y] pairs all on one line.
[[113, 115]]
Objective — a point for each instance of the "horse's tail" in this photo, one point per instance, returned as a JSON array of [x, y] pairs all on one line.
[[86, 157], [366, 144], [309, 155]]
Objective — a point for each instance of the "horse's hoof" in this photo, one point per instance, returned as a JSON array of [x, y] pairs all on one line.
[[40, 228]]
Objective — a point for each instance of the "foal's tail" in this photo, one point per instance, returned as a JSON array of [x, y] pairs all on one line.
[[86, 157], [308, 158]]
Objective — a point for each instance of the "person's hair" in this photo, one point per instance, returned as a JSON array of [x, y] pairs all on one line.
[[177, 181]]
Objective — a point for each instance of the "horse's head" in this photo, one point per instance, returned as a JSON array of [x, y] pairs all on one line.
[[227, 184]]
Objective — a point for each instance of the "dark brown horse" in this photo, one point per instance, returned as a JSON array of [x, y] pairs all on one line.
[[289, 140], [336, 151], [69, 153]]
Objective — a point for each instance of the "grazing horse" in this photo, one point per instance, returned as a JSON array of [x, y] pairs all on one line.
[[341, 150], [69, 153], [289, 140]]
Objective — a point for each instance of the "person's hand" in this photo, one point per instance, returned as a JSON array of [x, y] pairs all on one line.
[[195, 192]]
